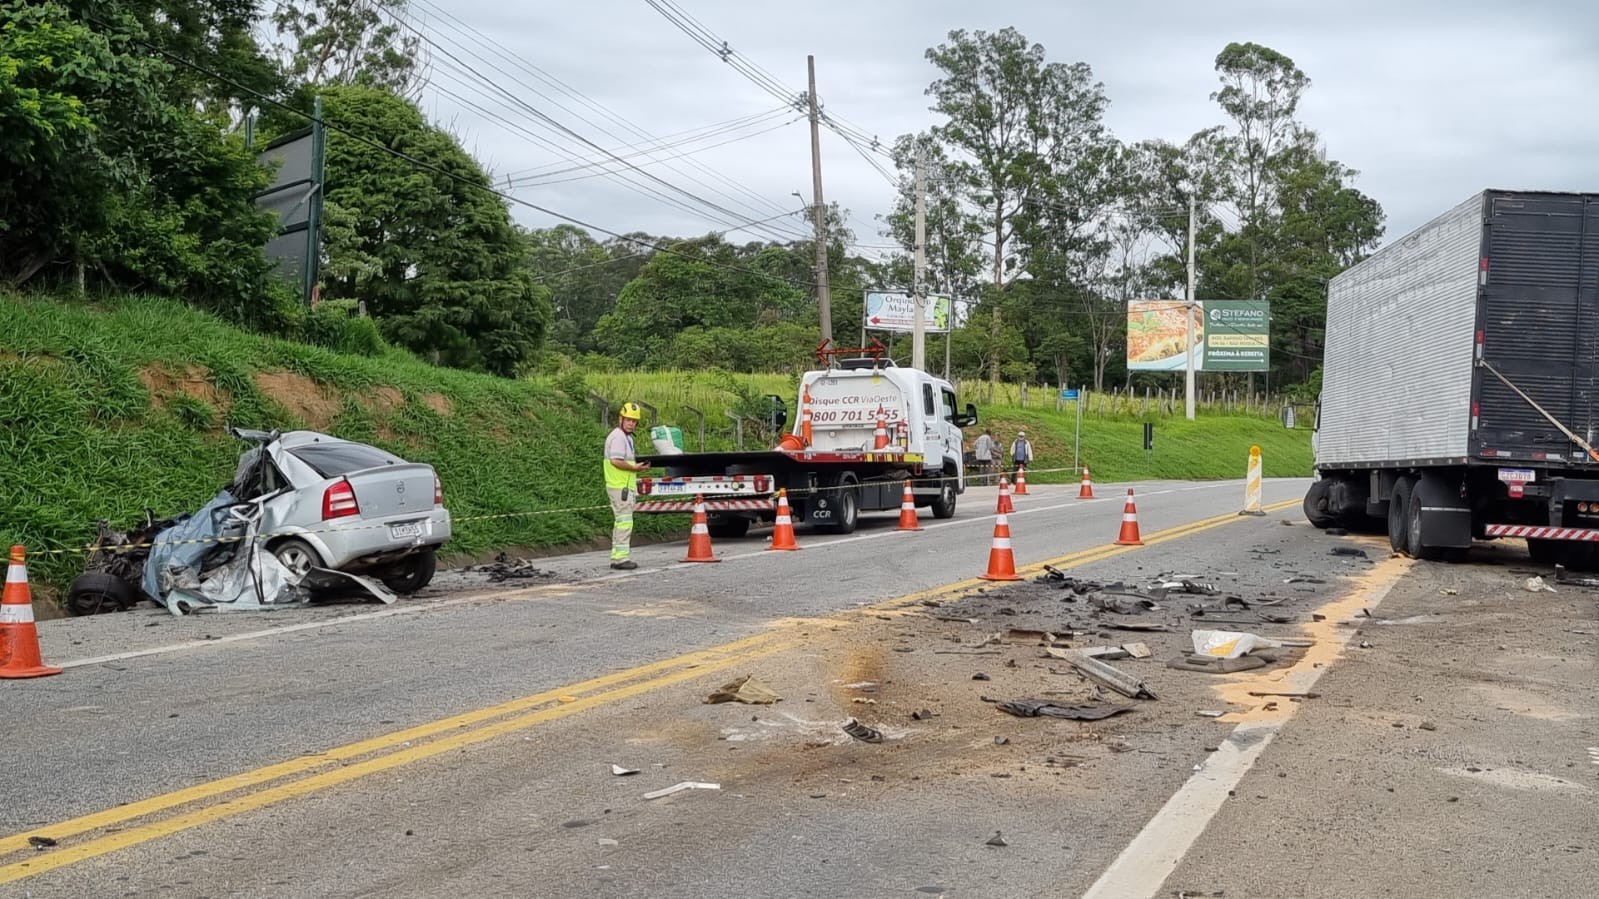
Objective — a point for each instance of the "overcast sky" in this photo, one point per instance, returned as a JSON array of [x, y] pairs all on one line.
[[1430, 101]]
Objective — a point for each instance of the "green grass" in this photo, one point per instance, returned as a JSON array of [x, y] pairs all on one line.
[[83, 437]]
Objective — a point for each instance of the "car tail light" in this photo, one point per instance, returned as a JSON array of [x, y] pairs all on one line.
[[438, 491], [338, 501]]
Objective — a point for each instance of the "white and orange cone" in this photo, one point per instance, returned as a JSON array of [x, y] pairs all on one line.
[[1129, 533], [1005, 506], [907, 511], [1021, 480], [806, 430], [1001, 558], [783, 532], [1087, 490], [699, 536], [880, 433], [19, 637]]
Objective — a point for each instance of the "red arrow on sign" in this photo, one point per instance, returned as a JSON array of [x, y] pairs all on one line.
[[876, 320]]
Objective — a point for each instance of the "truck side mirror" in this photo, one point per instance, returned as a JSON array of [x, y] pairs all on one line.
[[967, 420]]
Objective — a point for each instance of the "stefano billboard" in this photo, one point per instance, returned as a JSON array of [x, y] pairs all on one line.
[[1229, 335]]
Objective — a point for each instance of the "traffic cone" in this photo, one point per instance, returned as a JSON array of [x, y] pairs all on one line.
[[1087, 490], [19, 638], [1001, 559], [699, 536], [783, 533], [1129, 535], [880, 434], [806, 432], [1005, 506], [1021, 480], [907, 511]]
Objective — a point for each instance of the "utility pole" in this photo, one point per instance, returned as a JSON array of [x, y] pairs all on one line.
[[1189, 400], [919, 278], [824, 303]]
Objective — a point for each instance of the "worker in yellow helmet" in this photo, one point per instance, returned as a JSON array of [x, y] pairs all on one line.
[[621, 484]]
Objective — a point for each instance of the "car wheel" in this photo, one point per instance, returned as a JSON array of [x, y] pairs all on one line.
[[297, 555], [411, 573], [727, 527], [1398, 510], [848, 512], [944, 505], [94, 592], [1318, 509]]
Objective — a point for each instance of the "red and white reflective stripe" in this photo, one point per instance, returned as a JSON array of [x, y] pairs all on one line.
[[699, 528], [1517, 530], [783, 518], [16, 573], [16, 613], [711, 505], [1129, 516], [1001, 543]]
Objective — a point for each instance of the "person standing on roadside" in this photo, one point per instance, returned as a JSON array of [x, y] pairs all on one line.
[[621, 484], [1021, 452], [983, 452]]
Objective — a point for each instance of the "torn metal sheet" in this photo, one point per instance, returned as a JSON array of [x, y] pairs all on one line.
[[678, 788], [746, 689], [1078, 711], [1124, 603], [1216, 664], [862, 732], [1108, 675]]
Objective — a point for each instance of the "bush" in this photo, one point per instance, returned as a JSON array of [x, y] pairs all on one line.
[[337, 325]]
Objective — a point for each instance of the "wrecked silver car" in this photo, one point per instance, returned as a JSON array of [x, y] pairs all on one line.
[[305, 512]]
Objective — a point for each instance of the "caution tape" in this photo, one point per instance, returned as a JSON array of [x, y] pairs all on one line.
[[455, 520]]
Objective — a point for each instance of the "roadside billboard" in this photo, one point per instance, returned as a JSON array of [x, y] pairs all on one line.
[[895, 310], [1229, 335]]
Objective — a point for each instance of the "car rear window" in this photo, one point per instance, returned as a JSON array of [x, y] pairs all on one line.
[[331, 460]]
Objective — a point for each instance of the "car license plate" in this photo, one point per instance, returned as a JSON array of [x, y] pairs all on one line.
[[404, 531]]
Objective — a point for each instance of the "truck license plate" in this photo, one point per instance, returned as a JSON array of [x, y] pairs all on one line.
[[1516, 475], [404, 531]]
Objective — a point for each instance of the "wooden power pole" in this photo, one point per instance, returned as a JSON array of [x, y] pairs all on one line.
[[818, 209]]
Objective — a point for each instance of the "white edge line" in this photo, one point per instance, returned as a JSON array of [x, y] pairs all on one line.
[[1142, 868]]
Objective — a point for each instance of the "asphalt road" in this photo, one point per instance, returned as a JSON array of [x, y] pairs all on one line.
[[461, 742]]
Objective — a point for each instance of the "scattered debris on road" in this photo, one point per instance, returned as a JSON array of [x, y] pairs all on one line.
[[504, 568], [1108, 675], [1215, 664], [747, 690], [1080, 711], [862, 732], [1536, 585], [678, 788], [41, 842], [1229, 644], [619, 771], [1351, 551], [1562, 576], [996, 840]]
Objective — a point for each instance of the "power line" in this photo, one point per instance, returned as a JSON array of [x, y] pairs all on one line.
[[424, 165]]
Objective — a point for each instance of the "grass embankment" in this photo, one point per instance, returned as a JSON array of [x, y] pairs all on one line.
[[109, 408], [1215, 445]]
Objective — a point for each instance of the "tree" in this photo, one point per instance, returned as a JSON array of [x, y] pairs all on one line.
[[584, 277], [431, 250], [324, 43]]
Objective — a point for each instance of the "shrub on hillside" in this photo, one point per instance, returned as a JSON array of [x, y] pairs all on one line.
[[336, 325]]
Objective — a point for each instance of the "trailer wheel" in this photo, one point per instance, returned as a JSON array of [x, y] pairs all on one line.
[[1543, 552], [1318, 509], [944, 505], [727, 527], [1413, 537], [1398, 514]]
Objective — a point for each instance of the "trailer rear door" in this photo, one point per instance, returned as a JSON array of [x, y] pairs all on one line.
[[1539, 323]]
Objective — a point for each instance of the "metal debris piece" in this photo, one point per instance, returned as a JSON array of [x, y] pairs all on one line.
[[996, 840], [1138, 650], [619, 771], [746, 689], [1210, 713], [1215, 664], [678, 788], [1303, 579], [1035, 637], [41, 842], [980, 676], [1564, 577], [862, 732], [1080, 711], [1106, 652], [1002, 741], [993, 639], [1105, 674], [504, 568], [1137, 627], [1124, 603], [921, 715], [1287, 695], [1347, 551]]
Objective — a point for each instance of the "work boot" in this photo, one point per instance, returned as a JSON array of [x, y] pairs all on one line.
[[624, 565]]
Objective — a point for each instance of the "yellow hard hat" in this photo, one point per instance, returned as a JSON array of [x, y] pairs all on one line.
[[631, 410]]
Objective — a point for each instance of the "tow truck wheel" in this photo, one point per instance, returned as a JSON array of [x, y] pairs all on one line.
[[848, 512], [944, 505]]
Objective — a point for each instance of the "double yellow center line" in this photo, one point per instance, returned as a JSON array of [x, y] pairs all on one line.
[[263, 787]]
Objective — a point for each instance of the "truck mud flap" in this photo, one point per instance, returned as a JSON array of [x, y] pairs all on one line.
[[1445, 516]]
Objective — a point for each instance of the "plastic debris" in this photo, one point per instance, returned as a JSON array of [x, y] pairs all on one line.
[[862, 732], [619, 771], [678, 788], [1229, 644], [1536, 585]]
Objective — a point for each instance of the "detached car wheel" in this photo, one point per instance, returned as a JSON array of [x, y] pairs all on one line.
[[411, 573], [94, 592]]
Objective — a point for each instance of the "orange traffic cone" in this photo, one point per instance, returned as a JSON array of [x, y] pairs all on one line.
[[907, 511], [783, 533], [1001, 560], [1005, 506], [1021, 480], [880, 434], [19, 638], [806, 431], [1087, 490], [1129, 535], [699, 536]]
